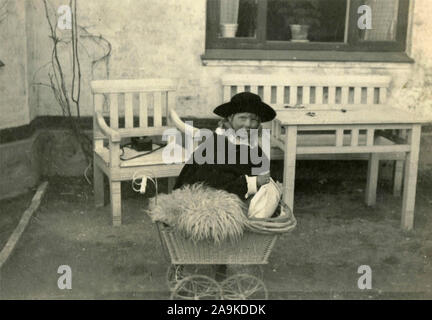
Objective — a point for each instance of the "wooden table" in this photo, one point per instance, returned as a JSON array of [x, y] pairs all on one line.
[[369, 129]]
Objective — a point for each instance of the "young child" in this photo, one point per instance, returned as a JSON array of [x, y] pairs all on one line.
[[242, 114]]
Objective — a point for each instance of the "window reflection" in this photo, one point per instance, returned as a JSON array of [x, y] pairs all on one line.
[[384, 20]]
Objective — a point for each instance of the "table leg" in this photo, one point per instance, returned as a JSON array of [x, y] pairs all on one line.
[[410, 179], [372, 179], [289, 165]]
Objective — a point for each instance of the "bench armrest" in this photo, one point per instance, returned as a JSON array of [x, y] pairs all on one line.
[[180, 124], [111, 133]]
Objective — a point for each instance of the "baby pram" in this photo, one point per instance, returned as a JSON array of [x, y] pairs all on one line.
[[253, 249]]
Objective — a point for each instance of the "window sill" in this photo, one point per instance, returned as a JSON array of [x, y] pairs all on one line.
[[221, 57]]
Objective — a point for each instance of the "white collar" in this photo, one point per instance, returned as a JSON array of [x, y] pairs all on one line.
[[235, 139]]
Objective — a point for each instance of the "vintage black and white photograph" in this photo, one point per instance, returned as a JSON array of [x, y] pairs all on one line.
[[215, 150]]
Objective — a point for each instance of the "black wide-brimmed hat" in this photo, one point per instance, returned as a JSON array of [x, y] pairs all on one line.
[[246, 102]]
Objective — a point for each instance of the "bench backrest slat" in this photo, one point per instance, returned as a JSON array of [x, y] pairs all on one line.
[[382, 95], [357, 95], [128, 110], [157, 109], [114, 123], [345, 95], [143, 114]]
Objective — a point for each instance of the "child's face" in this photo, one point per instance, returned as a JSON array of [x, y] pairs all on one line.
[[244, 120]]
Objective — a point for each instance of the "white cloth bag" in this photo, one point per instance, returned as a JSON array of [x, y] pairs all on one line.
[[265, 202]]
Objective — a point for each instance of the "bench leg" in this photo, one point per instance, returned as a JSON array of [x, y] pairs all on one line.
[[372, 179], [397, 177], [115, 193], [98, 186], [171, 183]]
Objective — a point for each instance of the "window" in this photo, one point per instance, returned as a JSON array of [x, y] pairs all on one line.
[[306, 25]]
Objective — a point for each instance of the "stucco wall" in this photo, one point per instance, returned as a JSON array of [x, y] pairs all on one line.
[[156, 38], [149, 39], [422, 30], [416, 93], [35, 58], [14, 110]]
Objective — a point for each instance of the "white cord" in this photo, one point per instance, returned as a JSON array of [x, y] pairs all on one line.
[[141, 175], [85, 174]]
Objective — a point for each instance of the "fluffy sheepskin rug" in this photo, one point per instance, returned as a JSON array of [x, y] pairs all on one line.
[[200, 213]]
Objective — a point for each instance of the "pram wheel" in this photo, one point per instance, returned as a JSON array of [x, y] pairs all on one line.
[[255, 270], [197, 287], [244, 287], [177, 272]]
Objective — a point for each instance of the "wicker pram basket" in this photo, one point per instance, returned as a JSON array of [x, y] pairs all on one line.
[[254, 247]]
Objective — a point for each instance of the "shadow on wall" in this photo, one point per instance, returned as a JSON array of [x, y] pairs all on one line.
[[19, 167], [59, 153], [45, 153]]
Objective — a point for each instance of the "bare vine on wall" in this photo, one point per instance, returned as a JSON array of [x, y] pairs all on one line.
[[65, 87], [3, 9]]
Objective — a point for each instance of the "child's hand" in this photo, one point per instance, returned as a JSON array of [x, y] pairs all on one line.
[[263, 179]]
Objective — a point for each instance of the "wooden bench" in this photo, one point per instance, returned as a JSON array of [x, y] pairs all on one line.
[[135, 108], [313, 92]]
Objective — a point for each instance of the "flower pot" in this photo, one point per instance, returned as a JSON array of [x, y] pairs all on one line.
[[229, 30], [299, 32]]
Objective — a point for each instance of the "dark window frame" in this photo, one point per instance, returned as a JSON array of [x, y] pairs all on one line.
[[260, 43]]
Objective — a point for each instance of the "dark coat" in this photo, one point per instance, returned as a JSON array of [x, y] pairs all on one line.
[[228, 177]]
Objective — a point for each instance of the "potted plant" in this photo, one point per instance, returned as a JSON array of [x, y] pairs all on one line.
[[301, 15], [229, 30], [229, 17]]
